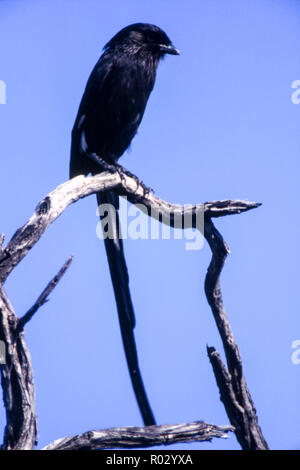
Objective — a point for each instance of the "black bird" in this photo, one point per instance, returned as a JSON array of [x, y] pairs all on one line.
[[109, 114]]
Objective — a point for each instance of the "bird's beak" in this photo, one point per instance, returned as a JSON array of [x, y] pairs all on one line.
[[169, 49]]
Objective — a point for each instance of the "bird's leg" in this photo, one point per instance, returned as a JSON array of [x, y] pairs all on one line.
[[110, 167], [103, 164], [116, 167]]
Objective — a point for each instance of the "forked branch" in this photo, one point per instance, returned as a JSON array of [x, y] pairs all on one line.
[[231, 381], [17, 381]]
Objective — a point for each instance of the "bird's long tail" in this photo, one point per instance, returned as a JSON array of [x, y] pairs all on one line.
[[120, 280]]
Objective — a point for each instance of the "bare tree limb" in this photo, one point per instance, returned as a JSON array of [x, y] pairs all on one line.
[[148, 436], [2, 237], [53, 205], [17, 383], [231, 382], [16, 374], [215, 209], [43, 298]]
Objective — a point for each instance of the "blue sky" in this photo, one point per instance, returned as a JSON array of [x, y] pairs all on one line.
[[219, 124]]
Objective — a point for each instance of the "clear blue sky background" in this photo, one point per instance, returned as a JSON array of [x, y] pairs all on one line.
[[219, 124]]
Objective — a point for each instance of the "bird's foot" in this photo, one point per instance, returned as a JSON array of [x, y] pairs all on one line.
[[122, 172], [146, 189], [110, 167], [139, 183]]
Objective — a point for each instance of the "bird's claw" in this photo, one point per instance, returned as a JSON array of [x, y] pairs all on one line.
[[147, 190], [122, 172], [139, 183]]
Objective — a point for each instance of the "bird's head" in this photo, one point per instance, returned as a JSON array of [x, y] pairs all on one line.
[[141, 37]]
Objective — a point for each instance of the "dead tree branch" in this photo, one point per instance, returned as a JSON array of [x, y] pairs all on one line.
[[148, 436], [43, 298], [17, 381], [231, 382], [53, 205], [16, 372]]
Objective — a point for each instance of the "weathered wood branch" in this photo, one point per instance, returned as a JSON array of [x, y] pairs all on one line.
[[16, 372], [43, 297], [148, 436], [231, 381], [1, 242], [53, 205], [17, 383]]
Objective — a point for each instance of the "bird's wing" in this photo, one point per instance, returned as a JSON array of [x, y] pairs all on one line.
[[78, 160]]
